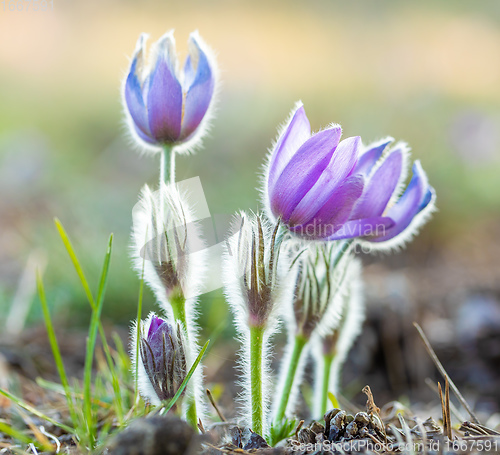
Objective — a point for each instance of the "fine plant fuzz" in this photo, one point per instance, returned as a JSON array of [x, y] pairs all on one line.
[[320, 276], [331, 348], [167, 248], [254, 288]]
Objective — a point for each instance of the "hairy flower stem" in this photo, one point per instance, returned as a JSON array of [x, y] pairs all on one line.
[[179, 309], [256, 376], [167, 165], [327, 366], [298, 346]]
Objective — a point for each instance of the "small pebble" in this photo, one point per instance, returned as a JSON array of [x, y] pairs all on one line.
[[255, 442], [158, 435]]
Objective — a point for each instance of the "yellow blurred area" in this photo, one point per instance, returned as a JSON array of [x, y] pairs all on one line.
[[285, 46]]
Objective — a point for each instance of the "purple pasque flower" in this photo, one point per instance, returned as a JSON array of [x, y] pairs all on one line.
[[162, 354], [326, 189], [165, 105], [382, 195]]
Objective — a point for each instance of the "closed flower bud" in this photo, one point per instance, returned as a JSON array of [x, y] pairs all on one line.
[[319, 277], [166, 105], [252, 278], [253, 271], [162, 360], [167, 242], [326, 189]]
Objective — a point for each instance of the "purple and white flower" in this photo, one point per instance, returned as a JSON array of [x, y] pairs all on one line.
[[165, 105], [323, 188], [162, 359]]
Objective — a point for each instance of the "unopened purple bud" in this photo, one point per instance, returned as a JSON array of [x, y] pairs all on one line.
[[156, 322], [163, 357], [167, 106]]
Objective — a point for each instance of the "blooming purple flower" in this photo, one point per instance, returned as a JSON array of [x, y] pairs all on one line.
[[162, 354], [165, 105], [326, 189]]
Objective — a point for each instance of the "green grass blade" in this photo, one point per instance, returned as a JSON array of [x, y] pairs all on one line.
[[90, 298], [91, 342], [58, 388], [169, 405], [333, 400], [36, 412], [21, 437], [76, 262], [55, 349], [281, 430]]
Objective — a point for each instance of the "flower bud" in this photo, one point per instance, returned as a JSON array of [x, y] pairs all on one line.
[[168, 244], [319, 276], [252, 279], [162, 360], [165, 105]]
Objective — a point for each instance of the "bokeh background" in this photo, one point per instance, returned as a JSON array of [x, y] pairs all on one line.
[[424, 72]]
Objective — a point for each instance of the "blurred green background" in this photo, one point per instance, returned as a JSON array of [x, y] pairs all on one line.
[[425, 72]]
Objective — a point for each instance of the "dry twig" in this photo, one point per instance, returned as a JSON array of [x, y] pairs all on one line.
[[443, 372]]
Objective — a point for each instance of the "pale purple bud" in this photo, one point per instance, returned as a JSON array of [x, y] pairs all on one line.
[[165, 105]]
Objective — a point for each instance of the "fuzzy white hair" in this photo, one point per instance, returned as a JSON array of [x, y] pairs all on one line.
[[144, 385], [163, 221], [237, 268], [353, 316], [237, 278], [331, 270], [166, 235]]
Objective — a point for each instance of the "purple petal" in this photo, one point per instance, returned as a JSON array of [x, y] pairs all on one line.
[[200, 90], [156, 322], [365, 227], [144, 137], [409, 204], [189, 74], [302, 172], [371, 155], [427, 199], [340, 166], [296, 133], [334, 212], [133, 89], [380, 188], [165, 95], [163, 332]]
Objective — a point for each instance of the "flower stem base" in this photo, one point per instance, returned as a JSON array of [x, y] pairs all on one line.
[[298, 346], [256, 378]]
